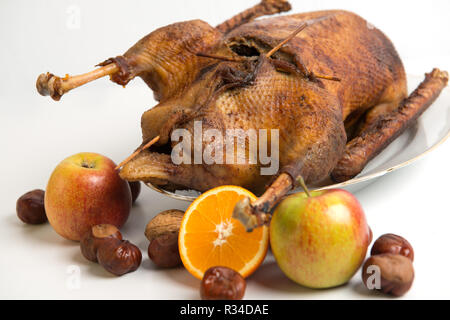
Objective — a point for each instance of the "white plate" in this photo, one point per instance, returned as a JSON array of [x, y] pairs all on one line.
[[431, 130]]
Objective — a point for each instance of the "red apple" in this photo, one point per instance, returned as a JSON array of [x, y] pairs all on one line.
[[85, 190], [321, 240]]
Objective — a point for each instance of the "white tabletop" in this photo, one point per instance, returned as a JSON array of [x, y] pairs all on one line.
[[36, 133]]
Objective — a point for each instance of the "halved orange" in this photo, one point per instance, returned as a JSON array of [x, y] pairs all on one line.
[[210, 237]]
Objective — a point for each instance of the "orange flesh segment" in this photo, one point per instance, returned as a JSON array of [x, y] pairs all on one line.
[[209, 236]]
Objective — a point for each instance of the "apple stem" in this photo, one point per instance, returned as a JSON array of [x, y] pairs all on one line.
[[87, 165], [303, 185]]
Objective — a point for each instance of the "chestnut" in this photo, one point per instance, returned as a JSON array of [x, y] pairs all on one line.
[[135, 187], [391, 243], [390, 273], [92, 239], [163, 251], [119, 256], [222, 283], [30, 207], [162, 232]]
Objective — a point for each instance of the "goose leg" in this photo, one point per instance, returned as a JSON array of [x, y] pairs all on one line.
[[257, 214], [386, 128]]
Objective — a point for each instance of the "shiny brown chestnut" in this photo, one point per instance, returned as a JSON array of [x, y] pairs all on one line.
[[162, 232], [221, 283], [119, 256], [391, 243], [163, 251], [92, 239], [389, 273], [30, 207]]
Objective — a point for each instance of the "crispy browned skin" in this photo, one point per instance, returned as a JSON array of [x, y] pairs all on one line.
[[388, 127], [337, 43], [247, 90], [265, 103], [309, 113], [165, 59]]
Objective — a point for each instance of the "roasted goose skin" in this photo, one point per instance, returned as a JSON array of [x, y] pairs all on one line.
[[309, 114], [332, 85]]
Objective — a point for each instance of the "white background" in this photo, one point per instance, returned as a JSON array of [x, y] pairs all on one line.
[[36, 133]]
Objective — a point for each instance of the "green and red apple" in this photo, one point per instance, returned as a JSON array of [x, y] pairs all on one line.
[[321, 240], [85, 190]]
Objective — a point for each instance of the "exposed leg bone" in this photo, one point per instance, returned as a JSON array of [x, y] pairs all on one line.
[[387, 128], [257, 214], [48, 84], [265, 7]]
